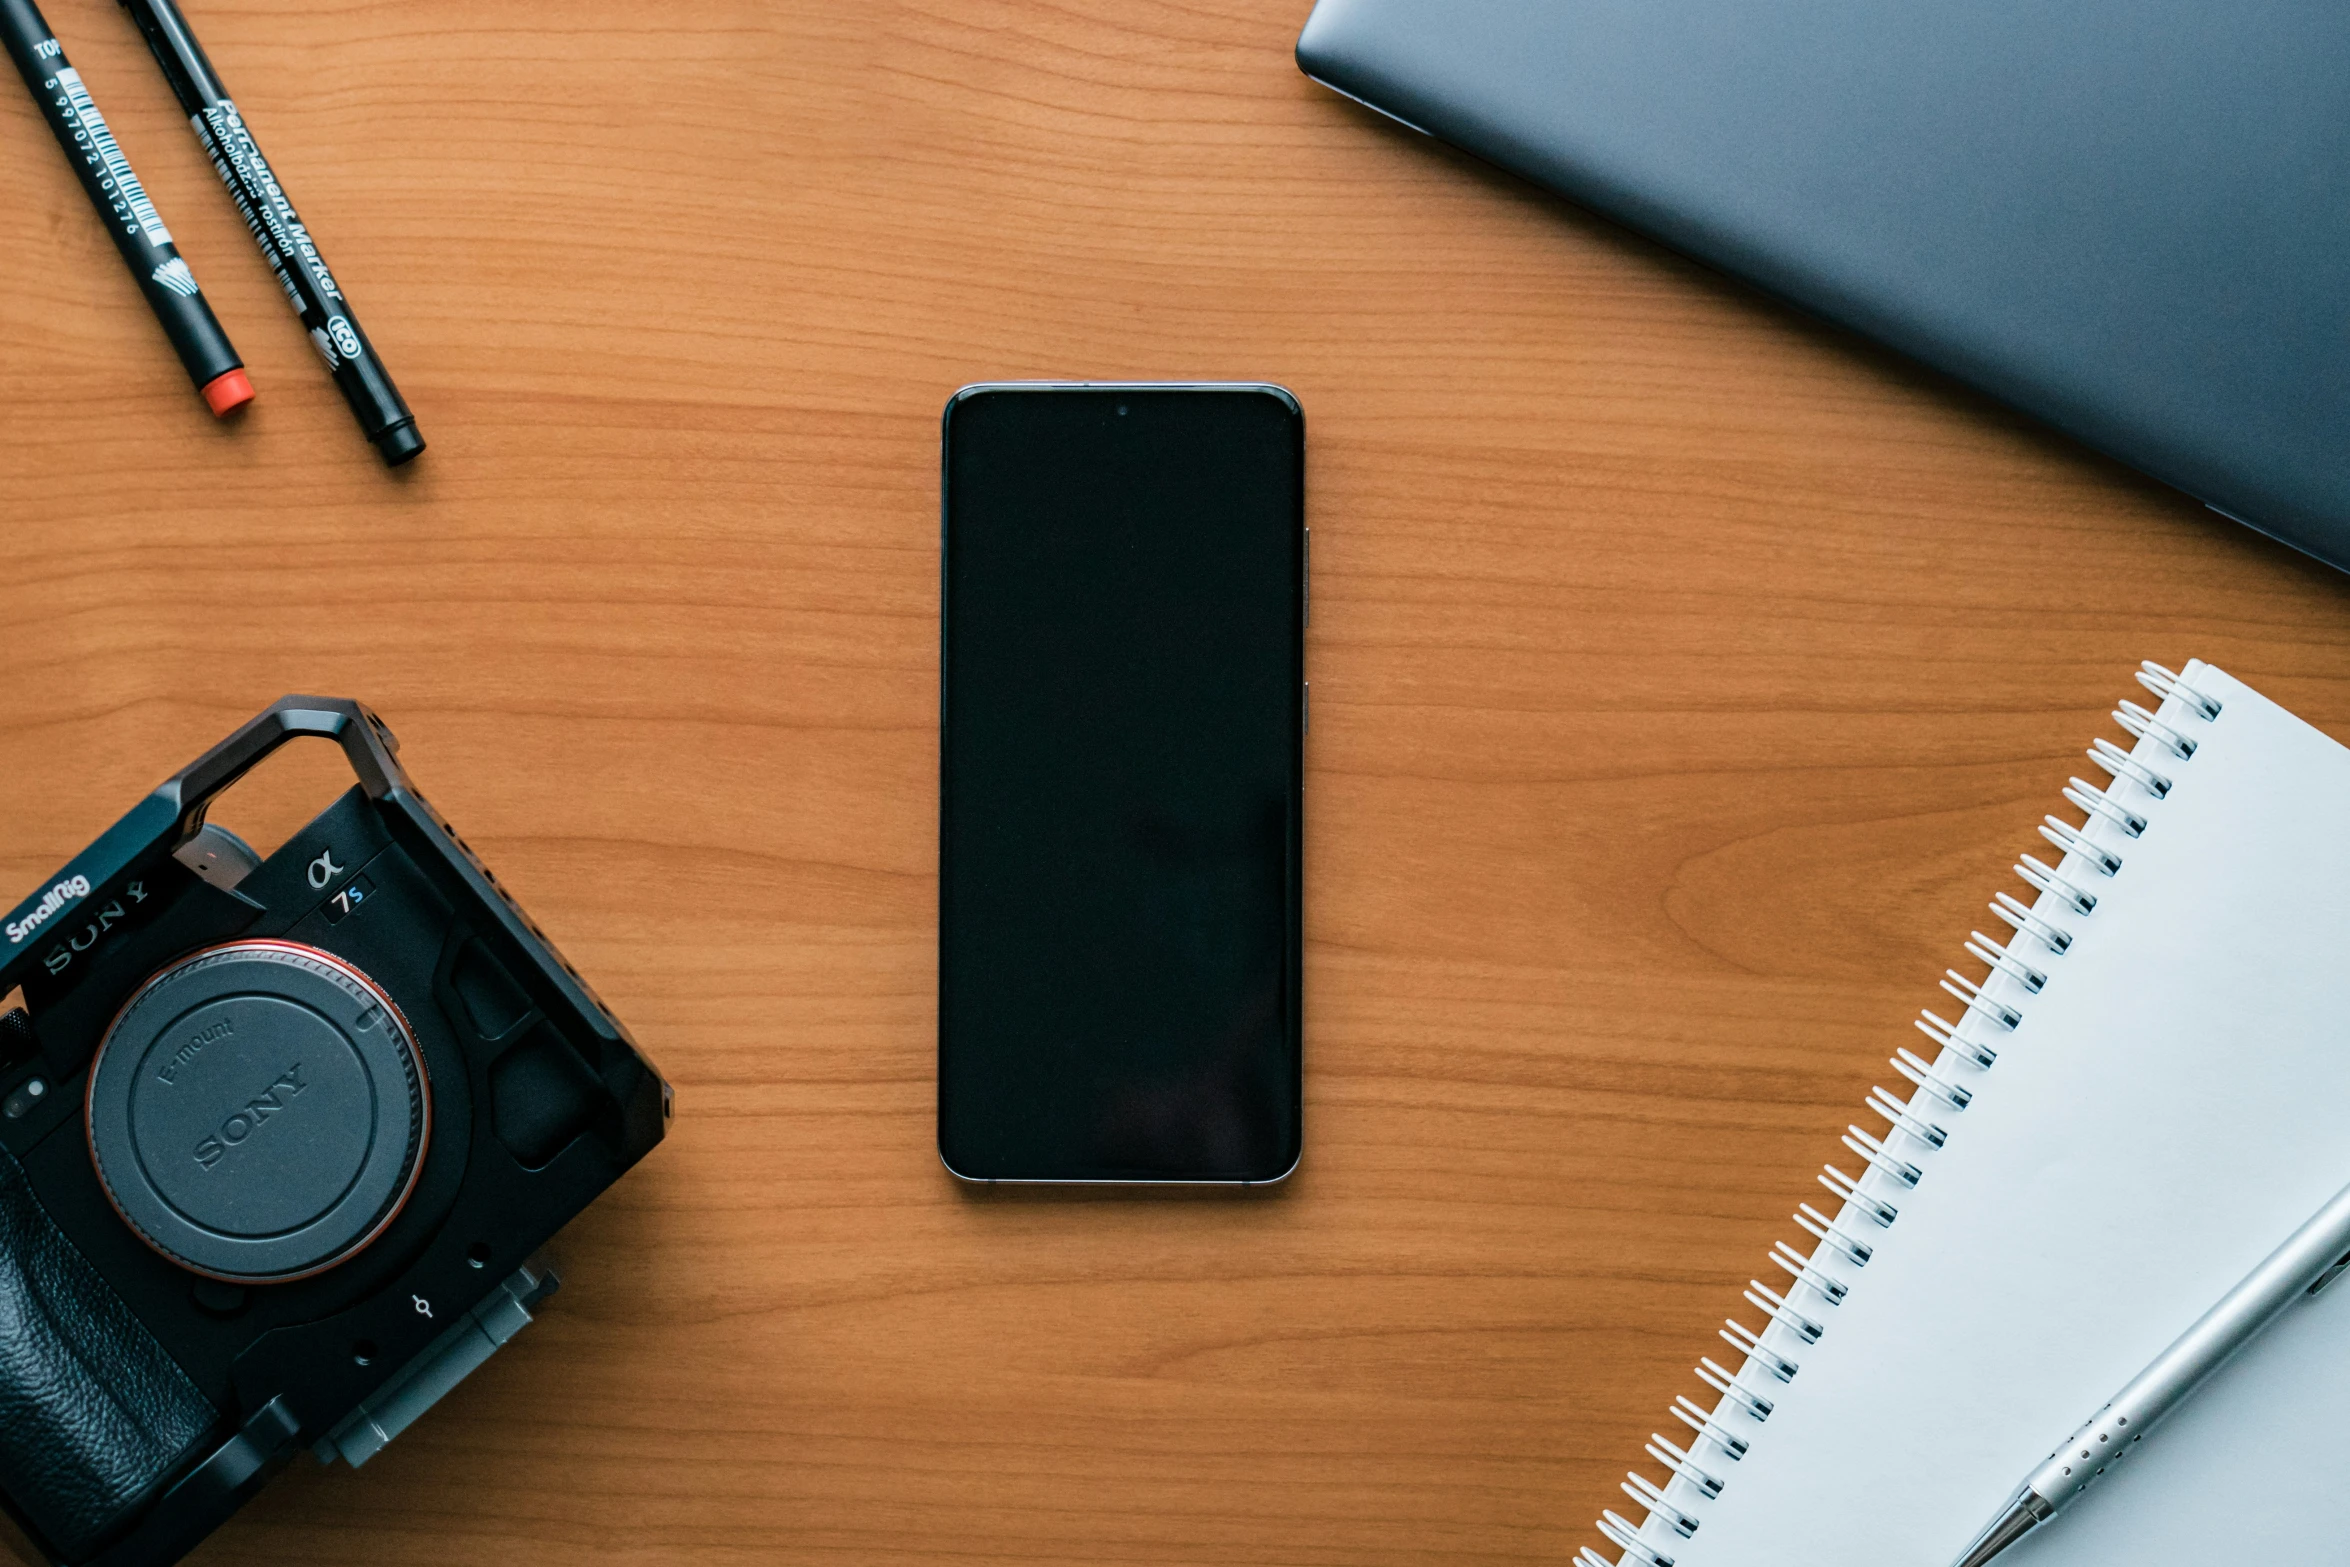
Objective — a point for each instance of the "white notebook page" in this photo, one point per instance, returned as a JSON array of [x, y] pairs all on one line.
[[2175, 1102]]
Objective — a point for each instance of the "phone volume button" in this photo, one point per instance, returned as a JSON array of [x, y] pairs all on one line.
[[1305, 708]]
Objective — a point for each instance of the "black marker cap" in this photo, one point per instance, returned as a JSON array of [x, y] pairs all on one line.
[[399, 443]]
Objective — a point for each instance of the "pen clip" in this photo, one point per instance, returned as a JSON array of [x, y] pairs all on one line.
[[2331, 1274]]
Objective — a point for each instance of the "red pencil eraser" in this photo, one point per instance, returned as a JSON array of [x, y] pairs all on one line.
[[225, 394]]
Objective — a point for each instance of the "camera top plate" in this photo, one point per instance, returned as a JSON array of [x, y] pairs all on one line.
[[258, 1111]]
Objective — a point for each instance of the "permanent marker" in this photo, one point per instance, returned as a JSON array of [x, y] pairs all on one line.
[[292, 254], [123, 207], [2312, 1257]]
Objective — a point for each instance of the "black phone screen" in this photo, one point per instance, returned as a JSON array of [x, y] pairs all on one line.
[[1121, 770]]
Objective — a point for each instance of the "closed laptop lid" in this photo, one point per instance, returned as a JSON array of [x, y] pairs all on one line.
[[2130, 218]]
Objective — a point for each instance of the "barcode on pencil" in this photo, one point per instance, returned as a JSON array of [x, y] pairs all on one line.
[[125, 184]]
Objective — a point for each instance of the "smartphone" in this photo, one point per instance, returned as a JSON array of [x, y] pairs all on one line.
[[1121, 783]]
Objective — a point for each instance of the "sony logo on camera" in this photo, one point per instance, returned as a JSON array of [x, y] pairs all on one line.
[[242, 1124], [55, 899], [59, 957]]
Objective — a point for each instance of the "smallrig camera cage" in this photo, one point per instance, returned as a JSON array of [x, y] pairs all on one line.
[[279, 1140]]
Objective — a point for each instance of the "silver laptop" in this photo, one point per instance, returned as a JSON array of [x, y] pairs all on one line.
[[2129, 218]]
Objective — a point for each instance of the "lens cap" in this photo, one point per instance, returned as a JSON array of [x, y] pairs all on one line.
[[258, 1112]]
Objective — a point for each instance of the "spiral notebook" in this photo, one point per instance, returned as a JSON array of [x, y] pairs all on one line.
[[2138, 1086]]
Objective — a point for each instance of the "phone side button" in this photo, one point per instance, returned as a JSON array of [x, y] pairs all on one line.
[[1305, 707]]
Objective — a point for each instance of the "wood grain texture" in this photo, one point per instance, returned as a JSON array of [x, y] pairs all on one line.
[[1685, 676]]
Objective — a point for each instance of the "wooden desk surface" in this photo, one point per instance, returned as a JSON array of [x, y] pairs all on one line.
[[1685, 677]]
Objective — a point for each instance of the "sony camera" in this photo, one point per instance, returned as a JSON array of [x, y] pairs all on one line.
[[279, 1142]]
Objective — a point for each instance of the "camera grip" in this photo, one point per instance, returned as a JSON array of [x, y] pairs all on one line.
[[94, 1417]]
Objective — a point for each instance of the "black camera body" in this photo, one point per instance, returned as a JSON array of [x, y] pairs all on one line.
[[279, 1141]]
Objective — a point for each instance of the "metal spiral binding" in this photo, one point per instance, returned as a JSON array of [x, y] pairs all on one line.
[[1726, 1383], [2081, 792], [1698, 1419], [1946, 1034], [1970, 995], [1641, 1490], [1621, 1533], [1910, 1065], [1749, 1343], [2121, 764], [1848, 1189], [1678, 1461], [2072, 840], [1992, 954], [1801, 1269], [2170, 687], [1822, 1228], [2046, 879], [1899, 1161], [2054, 937], [2145, 726], [1901, 1114], [1876, 1153], [1774, 1305]]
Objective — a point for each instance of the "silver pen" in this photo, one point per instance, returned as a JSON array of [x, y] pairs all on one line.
[[2311, 1258]]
